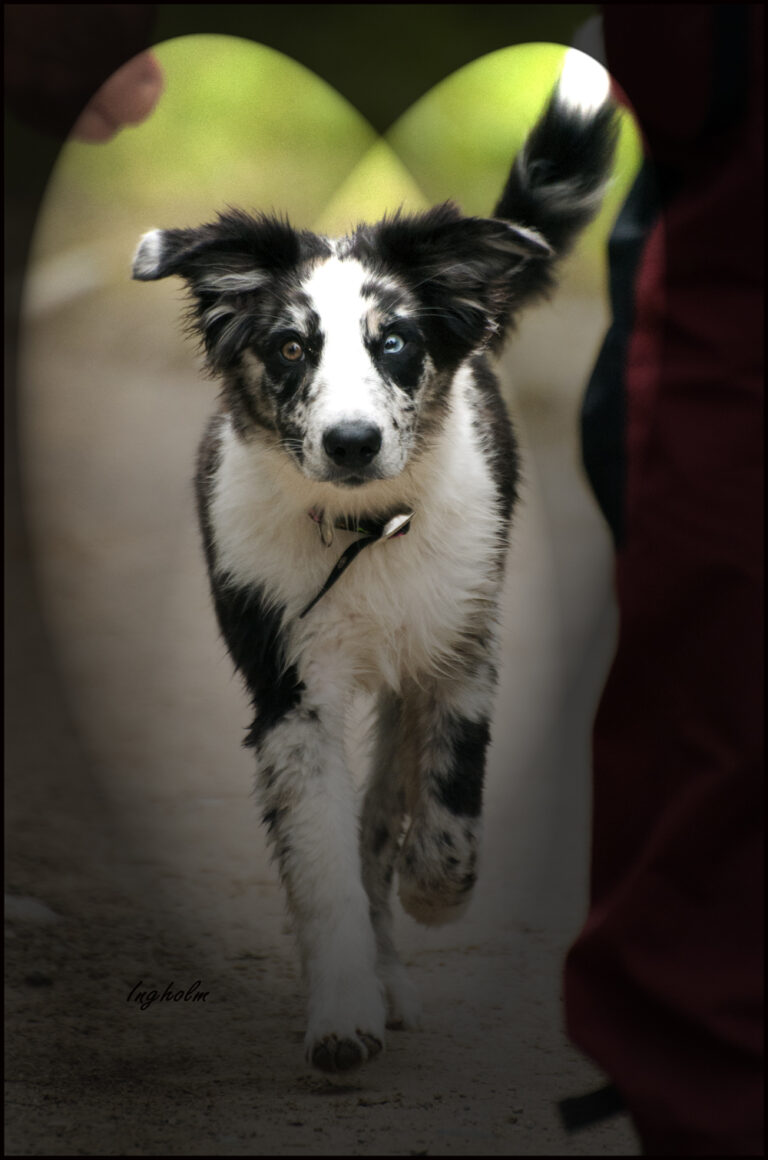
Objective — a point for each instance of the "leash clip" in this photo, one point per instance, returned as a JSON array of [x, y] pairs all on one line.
[[397, 526]]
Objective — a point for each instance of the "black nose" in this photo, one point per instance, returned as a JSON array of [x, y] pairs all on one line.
[[352, 445]]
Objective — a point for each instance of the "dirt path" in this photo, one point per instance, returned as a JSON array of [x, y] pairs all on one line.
[[130, 818]]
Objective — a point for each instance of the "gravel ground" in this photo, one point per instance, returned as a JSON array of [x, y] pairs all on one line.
[[134, 853]]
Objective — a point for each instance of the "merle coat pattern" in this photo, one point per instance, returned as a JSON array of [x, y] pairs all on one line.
[[356, 387]]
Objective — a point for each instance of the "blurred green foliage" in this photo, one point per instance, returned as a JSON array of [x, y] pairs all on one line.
[[237, 123], [240, 124]]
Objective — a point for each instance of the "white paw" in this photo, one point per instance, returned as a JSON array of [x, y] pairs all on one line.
[[429, 906], [334, 1052], [346, 1030]]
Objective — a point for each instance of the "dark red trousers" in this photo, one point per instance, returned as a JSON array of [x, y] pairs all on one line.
[[664, 986]]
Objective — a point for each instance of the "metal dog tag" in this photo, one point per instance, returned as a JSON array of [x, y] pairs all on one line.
[[326, 530]]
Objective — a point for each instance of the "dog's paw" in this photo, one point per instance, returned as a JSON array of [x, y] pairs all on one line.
[[342, 1053], [345, 1028], [437, 867]]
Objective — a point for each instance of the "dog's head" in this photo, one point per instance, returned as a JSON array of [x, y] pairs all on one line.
[[345, 350]]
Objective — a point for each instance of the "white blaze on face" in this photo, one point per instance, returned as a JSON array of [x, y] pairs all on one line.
[[347, 385], [346, 375]]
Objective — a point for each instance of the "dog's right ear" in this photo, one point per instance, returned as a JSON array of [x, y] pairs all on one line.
[[161, 253], [209, 258], [238, 252]]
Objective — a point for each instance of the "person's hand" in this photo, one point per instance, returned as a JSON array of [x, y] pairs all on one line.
[[127, 98], [56, 56]]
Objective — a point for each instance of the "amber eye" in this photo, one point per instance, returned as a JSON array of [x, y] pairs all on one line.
[[292, 351]]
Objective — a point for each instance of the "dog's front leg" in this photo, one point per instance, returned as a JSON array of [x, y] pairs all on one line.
[[437, 865], [309, 809]]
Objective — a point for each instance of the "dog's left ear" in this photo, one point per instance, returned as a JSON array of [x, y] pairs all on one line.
[[469, 273]]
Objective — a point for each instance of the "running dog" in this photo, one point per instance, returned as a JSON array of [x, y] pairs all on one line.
[[355, 490]]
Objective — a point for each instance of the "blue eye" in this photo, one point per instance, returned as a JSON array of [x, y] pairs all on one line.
[[393, 344]]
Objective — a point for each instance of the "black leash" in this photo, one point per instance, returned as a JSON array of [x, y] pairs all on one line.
[[372, 532]]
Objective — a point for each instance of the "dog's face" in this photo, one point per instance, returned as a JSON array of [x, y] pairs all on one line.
[[345, 350]]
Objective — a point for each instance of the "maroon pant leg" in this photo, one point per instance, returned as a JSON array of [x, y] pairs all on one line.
[[664, 985]]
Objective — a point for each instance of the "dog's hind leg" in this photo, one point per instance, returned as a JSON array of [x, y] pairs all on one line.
[[437, 866], [381, 829]]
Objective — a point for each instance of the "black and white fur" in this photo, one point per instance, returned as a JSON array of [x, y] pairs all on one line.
[[356, 383]]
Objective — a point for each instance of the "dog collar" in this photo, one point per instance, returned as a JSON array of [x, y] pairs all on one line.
[[371, 531]]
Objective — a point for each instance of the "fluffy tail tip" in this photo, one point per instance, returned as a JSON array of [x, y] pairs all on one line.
[[584, 85]]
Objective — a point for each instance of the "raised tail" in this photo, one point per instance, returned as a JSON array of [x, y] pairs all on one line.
[[558, 178]]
